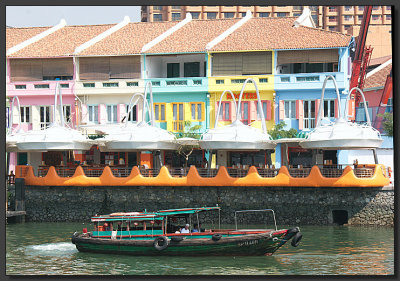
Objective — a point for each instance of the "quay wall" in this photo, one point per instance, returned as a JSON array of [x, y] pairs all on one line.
[[292, 205]]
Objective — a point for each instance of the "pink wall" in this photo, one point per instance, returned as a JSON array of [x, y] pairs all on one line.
[[373, 97]]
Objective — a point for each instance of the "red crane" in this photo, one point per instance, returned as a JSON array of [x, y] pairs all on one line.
[[362, 55], [386, 94]]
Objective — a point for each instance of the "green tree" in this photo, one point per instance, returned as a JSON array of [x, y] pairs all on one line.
[[277, 132], [387, 123]]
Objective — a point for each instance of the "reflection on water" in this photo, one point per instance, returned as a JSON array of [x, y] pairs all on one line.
[[46, 248]]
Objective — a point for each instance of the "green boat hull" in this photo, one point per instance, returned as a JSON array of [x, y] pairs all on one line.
[[245, 245]]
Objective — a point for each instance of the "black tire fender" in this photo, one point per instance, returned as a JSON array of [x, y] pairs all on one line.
[[216, 237], [292, 230], [160, 243], [176, 238], [296, 239]]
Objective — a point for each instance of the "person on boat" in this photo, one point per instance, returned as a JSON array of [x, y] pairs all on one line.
[[186, 229], [106, 227], [179, 230], [205, 163], [196, 228]]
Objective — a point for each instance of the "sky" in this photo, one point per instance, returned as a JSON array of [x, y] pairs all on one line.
[[27, 16]]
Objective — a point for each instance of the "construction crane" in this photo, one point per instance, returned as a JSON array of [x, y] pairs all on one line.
[[362, 56], [386, 94]]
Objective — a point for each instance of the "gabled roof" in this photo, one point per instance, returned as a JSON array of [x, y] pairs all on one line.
[[193, 37], [128, 40], [15, 35], [378, 79], [279, 33], [380, 60], [62, 42]]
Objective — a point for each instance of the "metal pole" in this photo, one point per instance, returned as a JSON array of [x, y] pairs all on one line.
[[375, 156]]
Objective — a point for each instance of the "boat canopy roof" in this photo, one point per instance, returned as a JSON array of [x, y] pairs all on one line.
[[185, 211], [152, 216]]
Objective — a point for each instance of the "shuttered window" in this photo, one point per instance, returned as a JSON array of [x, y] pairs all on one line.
[[94, 68], [314, 56], [41, 69], [25, 70], [242, 64], [124, 67]]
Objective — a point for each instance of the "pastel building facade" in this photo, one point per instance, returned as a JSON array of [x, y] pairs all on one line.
[[189, 65]]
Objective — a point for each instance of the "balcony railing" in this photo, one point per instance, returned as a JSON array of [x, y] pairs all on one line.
[[328, 171], [178, 126], [178, 82]]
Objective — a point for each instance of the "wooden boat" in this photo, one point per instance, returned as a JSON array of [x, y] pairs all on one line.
[[154, 233]]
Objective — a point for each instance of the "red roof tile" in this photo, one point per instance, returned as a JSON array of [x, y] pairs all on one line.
[[62, 42], [378, 79], [128, 40], [380, 60], [15, 35], [193, 37], [279, 33]]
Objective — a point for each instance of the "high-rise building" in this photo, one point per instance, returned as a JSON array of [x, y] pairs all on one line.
[[344, 19]]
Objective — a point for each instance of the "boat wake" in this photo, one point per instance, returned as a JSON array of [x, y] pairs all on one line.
[[52, 249]]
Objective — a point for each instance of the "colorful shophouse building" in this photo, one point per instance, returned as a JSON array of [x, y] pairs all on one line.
[[189, 64]]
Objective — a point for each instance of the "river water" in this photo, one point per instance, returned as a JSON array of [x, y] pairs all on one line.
[[46, 249]]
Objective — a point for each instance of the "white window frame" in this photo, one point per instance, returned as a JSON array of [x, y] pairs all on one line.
[[329, 113], [112, 113], [91, 115], [290, 114], [23, 114], [308, 122], [45, 124], [131, 117], [67, 119]]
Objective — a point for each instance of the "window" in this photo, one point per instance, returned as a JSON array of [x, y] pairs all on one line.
[[388, 8], [388, 17], [176, 7], [229, 15], [20, 87], [245, 112], [191, 69], [196, 110], [172, 70], [376, 7], [296, 14], [211, 15], [348, 8], [42, 86], [360, 113], [297, 8], [348, 17], [64, 85], [360, 17], [332, 28], [281, 15], [195, 15], [332, 9], [54, 78], [178, 116], [133, 116], [315, 19], [389, 107], [313, 8], [93, 113], [264, 109], [225, 111], [132, 84], [243, 15], [44, 116], [309, 114], [332, 19], [157, 8], [263, 15], [112, 114], [176, 16], [346, 27], [67, 113], [88, 85], [290, 109], [329, 108], [361, 8], [376, 17], [110, 85], [157, 17], [25, 114], [159, 111]]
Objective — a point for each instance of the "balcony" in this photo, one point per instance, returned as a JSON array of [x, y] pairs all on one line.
[[43, 88], [307, 80], [235, 83], [186, 84], [109, 87]]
